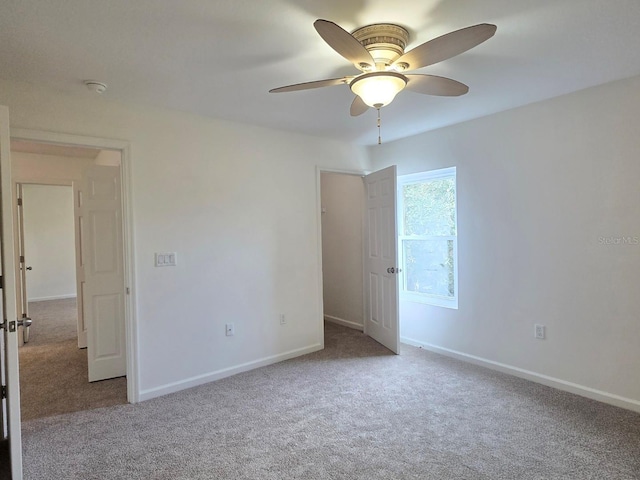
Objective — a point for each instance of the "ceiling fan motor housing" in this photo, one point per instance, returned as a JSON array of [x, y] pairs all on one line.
[[384, 41]]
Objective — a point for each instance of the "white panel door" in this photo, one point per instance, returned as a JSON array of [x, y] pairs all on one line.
[[101, 250], [381, 273], [77, 215], [10, 405]]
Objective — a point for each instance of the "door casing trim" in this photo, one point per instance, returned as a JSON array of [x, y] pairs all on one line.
[[131, 325]]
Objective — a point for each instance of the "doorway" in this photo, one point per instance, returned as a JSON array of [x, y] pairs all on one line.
[[342, 213], [54, 370], [52, 365], [359, 252]]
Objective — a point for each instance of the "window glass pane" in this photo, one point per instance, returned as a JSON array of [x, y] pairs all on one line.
[[429, 207], [428, 266]]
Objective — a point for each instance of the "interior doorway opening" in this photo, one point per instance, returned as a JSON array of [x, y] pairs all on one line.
[[48, 181], [342, 214], [45, 229], [359, 234]]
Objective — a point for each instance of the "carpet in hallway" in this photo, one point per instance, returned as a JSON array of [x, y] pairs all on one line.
[[53, 370]]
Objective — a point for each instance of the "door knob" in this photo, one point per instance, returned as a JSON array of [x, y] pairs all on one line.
[[29, 268], [391, 270], [25, 322]]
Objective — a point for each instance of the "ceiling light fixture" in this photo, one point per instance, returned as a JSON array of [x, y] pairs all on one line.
[[378, 52], [378, 89]]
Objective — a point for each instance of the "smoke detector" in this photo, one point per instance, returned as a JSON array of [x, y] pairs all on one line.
[[95, 86]]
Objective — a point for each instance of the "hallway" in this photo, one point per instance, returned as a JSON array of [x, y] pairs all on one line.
[[53, 370]]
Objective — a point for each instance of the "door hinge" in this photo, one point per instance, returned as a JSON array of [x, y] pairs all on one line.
[[1, 282], [21, 258], [4, 391], [19, 202]]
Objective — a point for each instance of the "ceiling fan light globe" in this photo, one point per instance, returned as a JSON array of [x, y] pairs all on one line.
[[378, 89]]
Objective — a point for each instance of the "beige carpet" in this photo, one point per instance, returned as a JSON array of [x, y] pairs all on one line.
[[352, 411], [53, 371]]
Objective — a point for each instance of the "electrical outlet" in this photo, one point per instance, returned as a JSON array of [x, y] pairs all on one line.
[[229, 330], [539, 331], [283, 319]]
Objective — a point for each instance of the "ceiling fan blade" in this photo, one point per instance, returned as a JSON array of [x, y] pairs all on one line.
[[358, 107], [309, 85], [343, 42], [434, 85], [447, 46]]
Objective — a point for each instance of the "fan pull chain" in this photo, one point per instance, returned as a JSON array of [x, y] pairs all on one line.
[[379, 137]]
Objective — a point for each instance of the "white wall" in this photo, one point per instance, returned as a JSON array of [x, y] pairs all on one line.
[[238, 205], [540, 189], [342, 203], [110, 158], [49, 241], [34, 168]]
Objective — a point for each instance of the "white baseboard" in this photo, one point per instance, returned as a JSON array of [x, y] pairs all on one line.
[[55, 297], [343, 322], [225, 372], [605, 397]]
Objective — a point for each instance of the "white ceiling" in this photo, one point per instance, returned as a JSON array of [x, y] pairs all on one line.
[[219, 58]]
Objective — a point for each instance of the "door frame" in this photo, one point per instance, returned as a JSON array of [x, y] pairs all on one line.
[[131, 326], [319, 171]]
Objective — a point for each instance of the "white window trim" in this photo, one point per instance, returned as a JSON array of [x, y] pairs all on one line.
[[436, 300]]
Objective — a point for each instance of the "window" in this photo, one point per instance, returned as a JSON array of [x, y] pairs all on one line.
[[428, 245]]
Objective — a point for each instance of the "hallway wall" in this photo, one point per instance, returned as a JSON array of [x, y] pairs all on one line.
[[49, 241], [342, 213]]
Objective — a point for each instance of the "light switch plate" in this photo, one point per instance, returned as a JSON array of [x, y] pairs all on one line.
[[167, 259]]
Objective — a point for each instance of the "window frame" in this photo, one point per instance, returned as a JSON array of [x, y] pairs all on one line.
[[425, 298]]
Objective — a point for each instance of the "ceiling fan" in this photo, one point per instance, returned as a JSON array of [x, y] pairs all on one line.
[[378, 52]]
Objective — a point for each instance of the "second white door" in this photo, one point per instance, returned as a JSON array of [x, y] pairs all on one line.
[[101, 257], [381, 272]]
